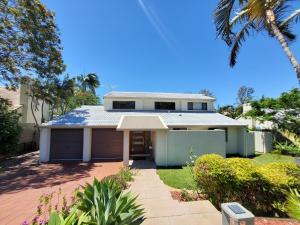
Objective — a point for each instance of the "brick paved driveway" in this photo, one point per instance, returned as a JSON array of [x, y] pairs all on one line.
[[24, 181]]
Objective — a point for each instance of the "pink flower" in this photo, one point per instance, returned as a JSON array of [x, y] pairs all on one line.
[[25, 222]]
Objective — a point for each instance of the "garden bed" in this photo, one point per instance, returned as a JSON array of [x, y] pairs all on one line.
[[273, 221]]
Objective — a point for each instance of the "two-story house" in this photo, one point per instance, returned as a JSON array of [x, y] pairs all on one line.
[[21, 102], [131, 125]]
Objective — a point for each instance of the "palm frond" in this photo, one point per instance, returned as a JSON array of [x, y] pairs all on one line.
[[239, 38], [240, 17], [293, 206], [295, 16], [222, 20]]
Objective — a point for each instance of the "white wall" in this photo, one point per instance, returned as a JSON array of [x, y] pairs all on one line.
[[263, 141], [173, 148]]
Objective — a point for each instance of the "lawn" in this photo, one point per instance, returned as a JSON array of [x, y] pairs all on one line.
[[268, 158], [182, 178], [177, 177]]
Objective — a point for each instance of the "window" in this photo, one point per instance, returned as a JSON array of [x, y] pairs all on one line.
[[197, 106], [165, 105], [190, 106], [180, 128], [123, 104]]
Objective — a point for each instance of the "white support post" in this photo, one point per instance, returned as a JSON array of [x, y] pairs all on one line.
[[126, 147], [45, 137], [87, 142]]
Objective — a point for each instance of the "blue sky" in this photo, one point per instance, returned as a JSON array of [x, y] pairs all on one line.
[[167, 46]]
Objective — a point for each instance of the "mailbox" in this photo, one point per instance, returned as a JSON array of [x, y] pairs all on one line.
[[235, 213]]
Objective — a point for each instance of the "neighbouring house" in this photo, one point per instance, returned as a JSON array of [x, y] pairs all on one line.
[[21, 102], [252, 122], [133, 125]]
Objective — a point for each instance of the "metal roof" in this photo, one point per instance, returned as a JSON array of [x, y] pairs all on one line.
[[93, 116], [183, 96]]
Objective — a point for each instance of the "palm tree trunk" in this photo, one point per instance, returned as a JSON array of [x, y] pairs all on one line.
[[283, 42]]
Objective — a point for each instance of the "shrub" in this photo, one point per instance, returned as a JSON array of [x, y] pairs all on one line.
[[287, 149], [10, 129], [122, 178], [106, 204], [214, 177], [259, 188]]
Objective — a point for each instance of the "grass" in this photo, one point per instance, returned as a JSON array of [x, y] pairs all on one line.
[[182, 178], [177, 177], [269, 158]]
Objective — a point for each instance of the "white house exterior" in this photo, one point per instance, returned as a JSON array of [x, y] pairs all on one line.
[[131, 125]]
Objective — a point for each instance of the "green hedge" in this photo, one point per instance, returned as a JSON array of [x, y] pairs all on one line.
[[259, 188]]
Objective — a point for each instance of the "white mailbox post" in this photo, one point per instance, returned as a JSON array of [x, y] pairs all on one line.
[[235, 213]]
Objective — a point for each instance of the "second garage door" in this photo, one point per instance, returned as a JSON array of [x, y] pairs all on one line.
[[107, 144]]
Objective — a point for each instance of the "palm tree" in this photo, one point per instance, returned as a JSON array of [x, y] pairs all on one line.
[[253, 16], [89, 82]]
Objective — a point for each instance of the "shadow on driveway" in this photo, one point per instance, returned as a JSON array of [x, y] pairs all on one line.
[[23, 172]]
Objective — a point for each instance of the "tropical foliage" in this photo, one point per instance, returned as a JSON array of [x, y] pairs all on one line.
[[9, 128], [293, 204], [29, 41], [283, 111], [261, 188], [236, 20]]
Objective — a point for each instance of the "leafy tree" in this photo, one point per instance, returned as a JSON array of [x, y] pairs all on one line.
[[231, 111], [283, 111], [29, 41], [207, 92], [83, 98], [235, 20], [245, 94], [88, 82], [9, 128]]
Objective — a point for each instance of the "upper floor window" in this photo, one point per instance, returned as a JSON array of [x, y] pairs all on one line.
[[197, 106], [165, 105], [123, 104]]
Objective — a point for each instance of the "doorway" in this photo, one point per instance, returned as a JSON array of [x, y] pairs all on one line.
[[140, 145]]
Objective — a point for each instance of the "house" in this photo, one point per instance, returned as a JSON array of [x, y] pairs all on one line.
[[21, 102], [252, 123], [132, 125]]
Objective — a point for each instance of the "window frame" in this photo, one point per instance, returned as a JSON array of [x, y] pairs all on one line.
[[156, 104], [120, 107]]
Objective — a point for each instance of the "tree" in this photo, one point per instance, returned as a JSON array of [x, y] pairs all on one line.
[[29, 42], [88, 82], [207, 92], [10, 129], [245, 95], [283, 111], [236, 20], [231, 111], [83, 98]]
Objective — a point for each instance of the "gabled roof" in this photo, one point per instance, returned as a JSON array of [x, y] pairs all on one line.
[[182, 96], [94, 116]]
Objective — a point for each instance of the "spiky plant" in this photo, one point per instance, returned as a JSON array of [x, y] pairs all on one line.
[[107, 204], [235, 20], [293, 205]]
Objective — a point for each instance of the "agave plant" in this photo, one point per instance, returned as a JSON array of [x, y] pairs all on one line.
[[74, 218], [293, 205], [106, 204]]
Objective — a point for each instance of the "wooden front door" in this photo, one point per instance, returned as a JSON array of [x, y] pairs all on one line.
[[139, 143]]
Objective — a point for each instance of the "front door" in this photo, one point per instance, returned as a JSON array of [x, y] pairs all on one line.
[[140, 142]]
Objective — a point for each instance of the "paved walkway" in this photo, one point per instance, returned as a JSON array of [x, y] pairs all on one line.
[[161, 209]]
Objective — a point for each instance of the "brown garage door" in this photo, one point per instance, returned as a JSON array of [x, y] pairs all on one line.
[[107, 144], [66, 144]]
